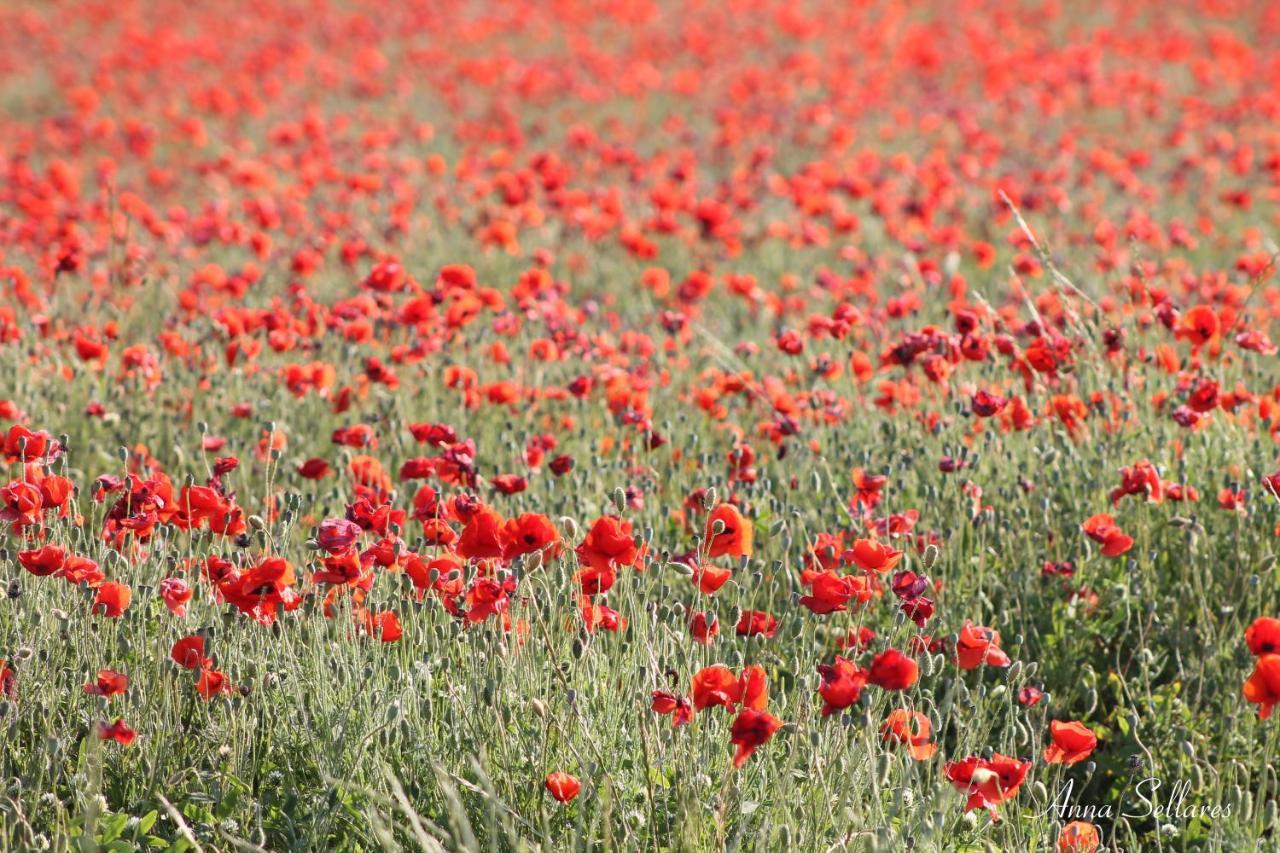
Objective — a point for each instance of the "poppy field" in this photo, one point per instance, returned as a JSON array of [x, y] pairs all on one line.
[[750, 425]]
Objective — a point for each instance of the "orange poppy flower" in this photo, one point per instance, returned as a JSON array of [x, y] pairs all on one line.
[[899, 725], [728, 533], [562, 786], [1073, 742], [112, 599], [1263, 686]]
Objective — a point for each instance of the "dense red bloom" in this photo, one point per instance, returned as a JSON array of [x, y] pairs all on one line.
[[112, 599], [717, 686], [175, 593], [842, 684], [262, 590], [336, 535], [875, 556], [987, 782], [976, 645], [109, 683], [831, 593], [118, 731], [704, 627], [708, 578], [892, 670], [1263, 636], [189, 652], [609, 544], [314, 469], [23, 445], [1199, 325], [677, 706], [986, 404], [1140, 479], [751, 730], [384, 625], [1102, 529], [530, 532], [562, 786], [756, 622], [1263, 686], [213, 683], [596, 616], [911, 728], [1072, 742], [43, 561], [728, 533]]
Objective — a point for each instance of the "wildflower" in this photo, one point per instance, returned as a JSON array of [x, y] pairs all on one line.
[[1072, 742]]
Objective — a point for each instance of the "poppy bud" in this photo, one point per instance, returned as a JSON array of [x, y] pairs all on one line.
[[620, 499], [570, 527], [930, 558], [256, 522], [539, 708], [709, 499]]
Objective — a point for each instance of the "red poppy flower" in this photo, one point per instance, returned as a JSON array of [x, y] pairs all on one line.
[[1263, 636], [384, 625], [717, 686], [112, 599], [596, 616], [988, 782], [708, 578], [1079, 836], [1263, 686], [1140, 479], [1102, 529], [117, 731], [704, 627], [728, 533], [44, 561], [874, 556], [892, 670], [314, 469], [831, 593], [752, 729], [530, 532], [1199, 325], [986, 404], [977, 645], [668, 703], [842, 684], [175, 593], [23, 445], [189, 652], [336, 535], [1073, 742], [911, 728], [109, 683], [756, 622], [562, 786], [213, 683], [608, 544]]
